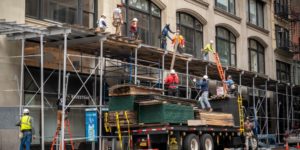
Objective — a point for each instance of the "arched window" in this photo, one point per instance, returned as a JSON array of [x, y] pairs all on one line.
[[191, 29], [226, 46], [257, 56], [149, 16]]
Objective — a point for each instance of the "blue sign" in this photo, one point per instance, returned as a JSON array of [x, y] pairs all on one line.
[[91, 124]]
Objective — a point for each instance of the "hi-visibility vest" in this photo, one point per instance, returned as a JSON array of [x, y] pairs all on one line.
[[208, 48], [25, 123]]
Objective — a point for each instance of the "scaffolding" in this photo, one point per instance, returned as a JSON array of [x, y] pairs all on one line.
[[140, 64]]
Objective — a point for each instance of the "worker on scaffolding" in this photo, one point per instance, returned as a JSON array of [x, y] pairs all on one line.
[[178, 41], [203, 99], [134, 29], [230, 84], [118, 19], [207, 49], [27, 130], [59, 104], [172, 82], [101, 24], [165, 35], [248, 126]]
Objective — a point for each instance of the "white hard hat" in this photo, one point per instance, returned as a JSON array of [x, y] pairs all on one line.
[[172, 71], [205, 77], [211, 41], [25, 111], [134, 19]]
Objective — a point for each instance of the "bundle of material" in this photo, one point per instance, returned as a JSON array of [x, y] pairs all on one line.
[[123, 117], [213, 118], [219, 97]]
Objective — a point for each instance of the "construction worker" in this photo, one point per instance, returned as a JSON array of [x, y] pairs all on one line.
[[27, 130], [172, 82], [248, 126], [208, 48], [179, 40], [134, 29], [165, 35], [118, 19], [230, 84], [59, 104], [203, 99], [102, 23]]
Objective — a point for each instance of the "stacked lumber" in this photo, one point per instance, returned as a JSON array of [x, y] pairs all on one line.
[[213, 118], [132, 117], [128, 89]]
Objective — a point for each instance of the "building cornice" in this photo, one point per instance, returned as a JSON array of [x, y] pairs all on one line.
[[228, 15]]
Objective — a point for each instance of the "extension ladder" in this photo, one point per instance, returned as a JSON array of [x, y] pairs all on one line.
[[241, 113], [221, 72], [67, 123]]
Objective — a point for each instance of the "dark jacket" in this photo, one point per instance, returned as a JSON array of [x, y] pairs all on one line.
[[202, 84]]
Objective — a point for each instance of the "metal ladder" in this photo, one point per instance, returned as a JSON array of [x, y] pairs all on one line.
[[220, 71], [241, 113]]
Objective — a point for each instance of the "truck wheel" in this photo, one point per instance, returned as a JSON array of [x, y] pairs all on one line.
[[191, 142], [206, 142]]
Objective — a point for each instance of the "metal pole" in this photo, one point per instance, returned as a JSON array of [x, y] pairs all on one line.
[[101, 93], [287, 108], [64, 93], [95, 89], [22, 78], [205, 69], [187, 79], [59, 72], [253, 99], [277, 120], [292, 105], [135, 65], [42, 92], [266, 110], [240, 83], [163, 69]]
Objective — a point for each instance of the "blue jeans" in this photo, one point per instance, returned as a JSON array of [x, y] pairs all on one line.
[[26, 140], [204, 99]]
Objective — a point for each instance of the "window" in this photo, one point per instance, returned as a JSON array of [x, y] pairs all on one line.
[[149, 16], [68, 11], [227, 5], [226, 46], [257, 56], [191, 29], [256, 12], [283, 71], [282, 38], [281, 8]]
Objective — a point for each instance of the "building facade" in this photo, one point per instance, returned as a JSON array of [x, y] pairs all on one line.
[[252, 35]]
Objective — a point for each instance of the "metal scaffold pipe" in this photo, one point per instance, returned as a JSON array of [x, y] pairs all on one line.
[[64, 93], [22, 78], [42, 92]]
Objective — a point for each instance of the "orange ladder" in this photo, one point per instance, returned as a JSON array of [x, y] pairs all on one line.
[[221, 72], [67, 123]]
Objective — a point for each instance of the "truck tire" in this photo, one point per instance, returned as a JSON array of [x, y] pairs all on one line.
[[206, 142], [191, 142]]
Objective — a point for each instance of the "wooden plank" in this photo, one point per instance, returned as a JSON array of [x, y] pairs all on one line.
[[127, 89], [196, 122]]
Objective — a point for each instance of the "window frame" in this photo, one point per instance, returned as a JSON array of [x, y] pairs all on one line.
[[257, 51], [179, 25], [281, 8], [283, 38], [286, 71], [256, 18], [229, 45], [128, 7], [79, 13], [229, 7]]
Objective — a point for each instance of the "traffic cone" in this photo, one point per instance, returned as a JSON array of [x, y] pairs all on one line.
[[286, 146]]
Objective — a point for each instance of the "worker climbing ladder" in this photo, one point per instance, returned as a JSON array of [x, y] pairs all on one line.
[[57, 133], [241, 113]]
